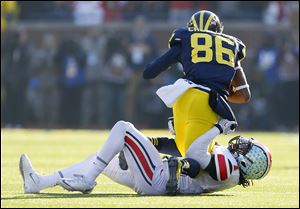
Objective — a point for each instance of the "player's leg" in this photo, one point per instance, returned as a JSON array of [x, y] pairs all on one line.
[[34, 182], [118, 139], [93, 165], [144, 162], [196, 115], [151, 174], [199, 122], [118, 175], [112, 146], [180, 118], [142, 158]]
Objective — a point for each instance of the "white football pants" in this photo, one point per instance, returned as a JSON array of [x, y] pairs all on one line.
[[147, 173]]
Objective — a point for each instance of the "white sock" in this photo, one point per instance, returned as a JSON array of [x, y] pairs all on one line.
[[50, 180], [113, 145], [93, 165], [78, 168], [96, 168]]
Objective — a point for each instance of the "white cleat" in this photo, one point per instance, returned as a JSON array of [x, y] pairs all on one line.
[[30, 178], [78, 183]]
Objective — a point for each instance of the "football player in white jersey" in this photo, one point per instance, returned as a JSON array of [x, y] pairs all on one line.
[[148, 174]]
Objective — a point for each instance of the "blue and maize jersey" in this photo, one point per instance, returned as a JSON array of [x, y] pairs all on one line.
[[208, 58]]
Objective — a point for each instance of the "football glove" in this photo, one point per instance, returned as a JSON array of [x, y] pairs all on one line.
[[171, 125], [225, 126]]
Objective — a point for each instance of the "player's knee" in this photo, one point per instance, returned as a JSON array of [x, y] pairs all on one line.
[[121, 124]]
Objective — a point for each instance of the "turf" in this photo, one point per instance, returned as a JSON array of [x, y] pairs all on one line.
[[56, 149]]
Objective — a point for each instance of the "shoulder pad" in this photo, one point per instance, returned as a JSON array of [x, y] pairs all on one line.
[[219, 167], [176, 37], [241, 54]]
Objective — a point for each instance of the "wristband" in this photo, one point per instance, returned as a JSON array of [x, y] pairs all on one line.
[[240, 87], [219, 127]]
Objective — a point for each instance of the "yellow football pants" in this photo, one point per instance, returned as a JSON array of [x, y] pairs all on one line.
[[192, 118]]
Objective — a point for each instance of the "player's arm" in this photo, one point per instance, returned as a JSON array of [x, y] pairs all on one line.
[[211, 162], [239, 90], [162, 63], [166, 60], [165, 145]]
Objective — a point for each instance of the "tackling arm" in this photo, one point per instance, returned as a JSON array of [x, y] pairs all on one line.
[[165, 145], [198, 150], [198, 158]]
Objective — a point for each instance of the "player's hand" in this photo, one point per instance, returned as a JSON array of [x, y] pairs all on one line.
[[171, 125], [226, 126]]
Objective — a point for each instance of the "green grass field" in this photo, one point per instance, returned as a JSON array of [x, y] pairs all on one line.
[[56, 149]]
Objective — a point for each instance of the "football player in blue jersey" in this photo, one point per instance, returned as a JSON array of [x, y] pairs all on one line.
[[213, 75]]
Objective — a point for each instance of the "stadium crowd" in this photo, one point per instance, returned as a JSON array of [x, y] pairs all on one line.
[[97, 12], [95, 80]]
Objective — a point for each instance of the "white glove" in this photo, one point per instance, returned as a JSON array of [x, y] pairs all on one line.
[[171, 125], [226, 126]]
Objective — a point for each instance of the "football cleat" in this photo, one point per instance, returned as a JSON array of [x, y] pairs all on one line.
[[78, 183], [30, 178], [175, 166]]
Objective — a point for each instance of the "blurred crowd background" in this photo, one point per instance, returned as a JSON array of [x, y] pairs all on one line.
[[79, 64]]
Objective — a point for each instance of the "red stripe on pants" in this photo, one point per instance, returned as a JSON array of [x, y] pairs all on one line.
[[140, 156], [222, 167]]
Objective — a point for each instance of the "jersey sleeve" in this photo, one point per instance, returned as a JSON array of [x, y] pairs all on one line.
[[241, 50], [176, 38], [165, 145], [219, 167]]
